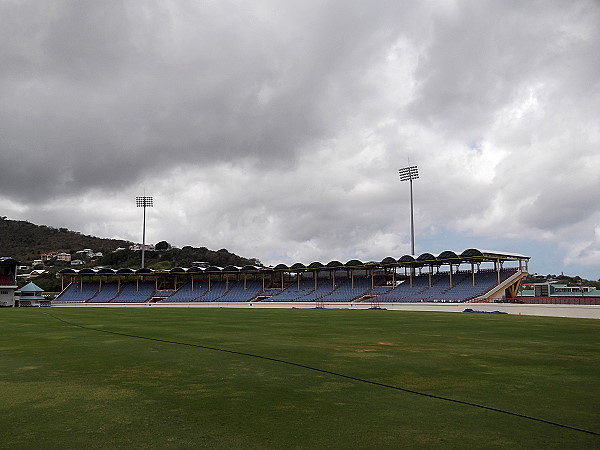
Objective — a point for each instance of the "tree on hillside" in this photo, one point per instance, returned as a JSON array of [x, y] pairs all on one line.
[[162, 245]]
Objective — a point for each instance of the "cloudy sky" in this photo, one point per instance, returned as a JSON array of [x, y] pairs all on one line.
[[276, 129]]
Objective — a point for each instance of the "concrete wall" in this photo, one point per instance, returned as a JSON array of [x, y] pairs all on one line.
[[577, 311], [7, 297]]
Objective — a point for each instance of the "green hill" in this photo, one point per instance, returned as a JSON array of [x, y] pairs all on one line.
[[26, 241]]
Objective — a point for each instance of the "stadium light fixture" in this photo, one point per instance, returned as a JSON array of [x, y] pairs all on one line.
[[143, 202], [409, 174]]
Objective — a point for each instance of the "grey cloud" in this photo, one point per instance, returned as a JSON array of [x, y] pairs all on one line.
[[295, 116], [109, 87], [481, 56]]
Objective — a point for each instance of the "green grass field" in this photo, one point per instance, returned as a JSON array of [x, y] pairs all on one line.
[[66, 387]]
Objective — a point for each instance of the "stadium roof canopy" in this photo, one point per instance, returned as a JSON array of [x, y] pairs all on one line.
[[468, 256]]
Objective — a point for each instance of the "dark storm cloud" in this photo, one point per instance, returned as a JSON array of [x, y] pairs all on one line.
[[99, 93]]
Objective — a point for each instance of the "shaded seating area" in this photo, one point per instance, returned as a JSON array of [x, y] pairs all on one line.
[[324, 289], [216, 290], [293, 291], [242, 291], [462, 288], [187, 293], [6, 280], [108, 291], [424, 278], [135, 292], [344, 291], [77, 292]]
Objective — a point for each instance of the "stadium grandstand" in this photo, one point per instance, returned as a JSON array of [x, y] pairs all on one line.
[[470, 276], [8, 281]]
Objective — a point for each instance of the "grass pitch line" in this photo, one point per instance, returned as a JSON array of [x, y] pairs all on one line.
[[329, 372]]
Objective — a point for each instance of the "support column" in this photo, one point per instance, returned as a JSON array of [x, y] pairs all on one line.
[[498, 270]]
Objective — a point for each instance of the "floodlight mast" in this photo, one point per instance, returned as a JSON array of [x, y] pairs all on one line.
[[143, 202], [409, 174]]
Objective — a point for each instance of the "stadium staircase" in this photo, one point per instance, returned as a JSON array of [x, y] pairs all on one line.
[[510, 284]]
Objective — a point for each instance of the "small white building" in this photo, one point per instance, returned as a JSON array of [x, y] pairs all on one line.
[[138, 247]]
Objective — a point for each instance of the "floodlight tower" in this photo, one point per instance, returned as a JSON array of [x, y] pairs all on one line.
[[143, 202], [409, 174]]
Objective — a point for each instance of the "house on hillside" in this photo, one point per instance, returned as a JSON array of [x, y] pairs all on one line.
[[63, 257]]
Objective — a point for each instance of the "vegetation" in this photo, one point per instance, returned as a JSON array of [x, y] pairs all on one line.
[[26, 241], [69, 387], [173, 257]]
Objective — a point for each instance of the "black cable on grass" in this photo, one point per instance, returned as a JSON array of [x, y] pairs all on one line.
[[341, 375]]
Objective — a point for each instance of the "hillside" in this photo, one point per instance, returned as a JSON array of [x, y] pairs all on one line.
[[25, 241]]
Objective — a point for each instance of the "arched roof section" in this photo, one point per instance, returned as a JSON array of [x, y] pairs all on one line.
[[406, 259], [178, 270], [87, 271], [250, 268], [213, 269], [144, 271], [447, 255], [106, 271], [492, 254], [388, 261], [195, 270], [471, 252], [298, 267], [334, 264], [67, 271], [231, 268], [354, 263], [428, 257], [316, 265], [125, 271], [281, 267]]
